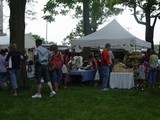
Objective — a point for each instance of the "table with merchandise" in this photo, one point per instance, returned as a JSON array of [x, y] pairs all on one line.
[[86, 75], [122, 80]]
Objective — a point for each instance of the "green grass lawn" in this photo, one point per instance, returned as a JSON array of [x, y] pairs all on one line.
[[81, 103]]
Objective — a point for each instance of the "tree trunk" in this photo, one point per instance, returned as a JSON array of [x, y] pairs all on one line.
[[86, 25], [17, 31], [149, 35], [149, 30]]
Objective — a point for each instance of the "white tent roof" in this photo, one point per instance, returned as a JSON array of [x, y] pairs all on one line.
[[29, 41], [114, 34]]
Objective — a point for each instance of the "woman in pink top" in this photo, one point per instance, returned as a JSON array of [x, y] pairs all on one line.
[[56, 72]]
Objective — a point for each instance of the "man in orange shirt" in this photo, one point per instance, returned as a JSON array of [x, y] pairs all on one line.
[[105, 63]]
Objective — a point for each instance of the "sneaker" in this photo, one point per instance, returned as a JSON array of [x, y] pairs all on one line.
[[52, 93], [14, 94], [37, 96], [104, 89]]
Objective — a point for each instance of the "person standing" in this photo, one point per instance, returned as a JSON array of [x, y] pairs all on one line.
[[153, 60], [41, 57], [94, 66], [93, 62], [141, 75], [14, 59], [3, 68], [57, 62], [66, 58], [105, 63]]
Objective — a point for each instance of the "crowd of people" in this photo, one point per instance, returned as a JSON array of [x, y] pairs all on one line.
[[146, 72], [53, 66]]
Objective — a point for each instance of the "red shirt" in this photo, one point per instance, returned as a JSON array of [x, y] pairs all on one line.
[[105, 58], [57, 58], [93, 62]]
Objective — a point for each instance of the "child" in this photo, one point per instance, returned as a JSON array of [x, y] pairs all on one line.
[[141, 75], [94, 65]]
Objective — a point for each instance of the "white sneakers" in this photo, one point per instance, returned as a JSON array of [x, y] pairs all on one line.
[[52, 93], [37, 95], [105, 89]]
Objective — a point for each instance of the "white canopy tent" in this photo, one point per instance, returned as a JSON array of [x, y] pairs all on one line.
[[29, 41], [114, 34]]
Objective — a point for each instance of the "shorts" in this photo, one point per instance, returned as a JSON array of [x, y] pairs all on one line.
[[41, 71]]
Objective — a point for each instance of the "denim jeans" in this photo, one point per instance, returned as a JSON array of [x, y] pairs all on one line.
[[14, 77], [152, 75], [105, 76], [56, 75], [3, 77]]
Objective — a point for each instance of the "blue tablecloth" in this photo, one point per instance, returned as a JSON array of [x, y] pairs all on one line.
[[86, 75]]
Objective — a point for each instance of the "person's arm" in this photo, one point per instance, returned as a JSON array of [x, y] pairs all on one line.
[[61, 57], [112, 57], [90, 62], [23, 56], [7, 57], [66, 59], [35, 56], [150, 60]]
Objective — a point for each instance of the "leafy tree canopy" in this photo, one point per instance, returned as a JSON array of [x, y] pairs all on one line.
[[43, 40], [142, 7], [146, 13], [99, 11]]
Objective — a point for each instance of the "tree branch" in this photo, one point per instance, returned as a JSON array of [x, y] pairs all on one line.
[[156, 16], [136, 18]]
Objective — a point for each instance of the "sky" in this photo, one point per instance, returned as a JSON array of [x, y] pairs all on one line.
[[63, 25]]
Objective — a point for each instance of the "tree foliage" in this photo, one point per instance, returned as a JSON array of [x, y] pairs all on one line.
[[99, 11], [146, 13], [43, 40]]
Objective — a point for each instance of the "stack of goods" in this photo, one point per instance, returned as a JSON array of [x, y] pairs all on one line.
[[133, 59], [120, 67]]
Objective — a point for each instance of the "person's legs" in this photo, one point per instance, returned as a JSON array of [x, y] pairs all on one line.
[[47, 79], [150, 74], [38, 73], [65, 75], [38, 93], [56, 75], [53, 79], [105, 76], [59, 76], [65, 79], [39, 88], [3, 79], [13, 77], [143, 84], [153, 77]]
